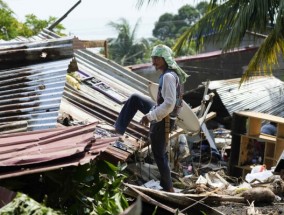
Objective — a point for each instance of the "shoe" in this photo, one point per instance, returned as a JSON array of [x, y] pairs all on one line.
[[118, 132], [171, 190]]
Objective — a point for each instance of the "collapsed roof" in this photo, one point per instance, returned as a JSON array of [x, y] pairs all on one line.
[[259, 94], [34, 94]]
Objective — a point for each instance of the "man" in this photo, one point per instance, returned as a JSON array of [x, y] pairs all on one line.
[[269, 128], [169, 100]]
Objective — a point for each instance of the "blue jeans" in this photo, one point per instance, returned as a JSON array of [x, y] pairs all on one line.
[[159, 149], [135, 103], [157, 134]]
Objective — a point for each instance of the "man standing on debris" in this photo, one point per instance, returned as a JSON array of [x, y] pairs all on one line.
[[169, 100]]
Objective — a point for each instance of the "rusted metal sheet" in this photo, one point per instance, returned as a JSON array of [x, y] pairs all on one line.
[[43, 146], [39, 151], [47, 150], [29, 100], [32, 94]]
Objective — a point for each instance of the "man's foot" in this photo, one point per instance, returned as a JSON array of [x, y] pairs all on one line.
[[171, 190], [118, 132]]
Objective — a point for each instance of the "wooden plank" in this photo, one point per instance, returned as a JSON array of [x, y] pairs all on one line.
[[245, 170], [279, 149], [280, 130], [83, 44], [269, 150], [263, 138], [254, 126], [243, 150], [262, 116]]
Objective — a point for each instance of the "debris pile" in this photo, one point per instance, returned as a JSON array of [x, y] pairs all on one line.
[[201, 179]]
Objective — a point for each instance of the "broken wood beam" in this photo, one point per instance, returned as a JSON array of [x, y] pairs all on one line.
[[134, 209], [153, 201], [53, 25], [83, 44], [187, 199]]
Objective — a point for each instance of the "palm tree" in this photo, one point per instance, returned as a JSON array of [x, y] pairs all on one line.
[[231, 19], [124, 49]]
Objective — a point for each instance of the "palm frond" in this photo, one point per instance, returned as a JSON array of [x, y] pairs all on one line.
[[133, 34], [252, 16], [268, 53], [217, 21], [230, 21], [140, 3]]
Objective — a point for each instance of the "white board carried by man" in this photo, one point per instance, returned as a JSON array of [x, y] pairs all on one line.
[[187, 119]]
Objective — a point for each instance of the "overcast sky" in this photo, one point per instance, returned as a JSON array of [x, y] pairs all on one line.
[[89, 19]]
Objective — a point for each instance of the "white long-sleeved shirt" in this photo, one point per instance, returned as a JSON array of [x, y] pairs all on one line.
[[169, 94]]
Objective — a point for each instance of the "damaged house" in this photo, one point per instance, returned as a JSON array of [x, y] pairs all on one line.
[[59, 101]]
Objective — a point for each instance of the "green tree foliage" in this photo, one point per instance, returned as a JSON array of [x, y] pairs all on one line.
[[165, 27], [36, 25], [125, 49], [94, 188], [22, 204], [171, 26], [202, 7], [10, 27], [8, 24], [186, 50], [229, 20]]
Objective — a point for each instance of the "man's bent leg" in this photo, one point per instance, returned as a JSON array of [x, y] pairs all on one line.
[[133, 104]]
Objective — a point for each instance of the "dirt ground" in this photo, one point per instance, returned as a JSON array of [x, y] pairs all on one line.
[[225, 208], [241, 209]]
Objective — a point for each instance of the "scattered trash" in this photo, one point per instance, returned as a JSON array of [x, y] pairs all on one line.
[[153, 185], [258, 176], [259, 194], [120, 145]]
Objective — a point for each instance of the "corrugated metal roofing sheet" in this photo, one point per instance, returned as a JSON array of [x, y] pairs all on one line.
[[43, 146], [31, 95], [260, 94], [101, 108], [35, 52], [44, 34], [110, 72], [38, 151]]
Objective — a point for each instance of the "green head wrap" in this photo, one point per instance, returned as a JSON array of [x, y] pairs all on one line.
[[166, 53]]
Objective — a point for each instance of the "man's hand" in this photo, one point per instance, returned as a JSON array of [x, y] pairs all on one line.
[[144, 121]]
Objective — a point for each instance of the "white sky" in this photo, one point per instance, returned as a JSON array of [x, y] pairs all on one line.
[[90, 18]]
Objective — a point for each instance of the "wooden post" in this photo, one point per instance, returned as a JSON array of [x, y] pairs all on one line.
[[167, 129], [106, 48]]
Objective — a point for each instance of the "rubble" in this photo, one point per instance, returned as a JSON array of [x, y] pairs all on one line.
[[200, 163], [203, 182]]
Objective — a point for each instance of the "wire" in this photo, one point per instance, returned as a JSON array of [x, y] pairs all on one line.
[[149, 164]]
